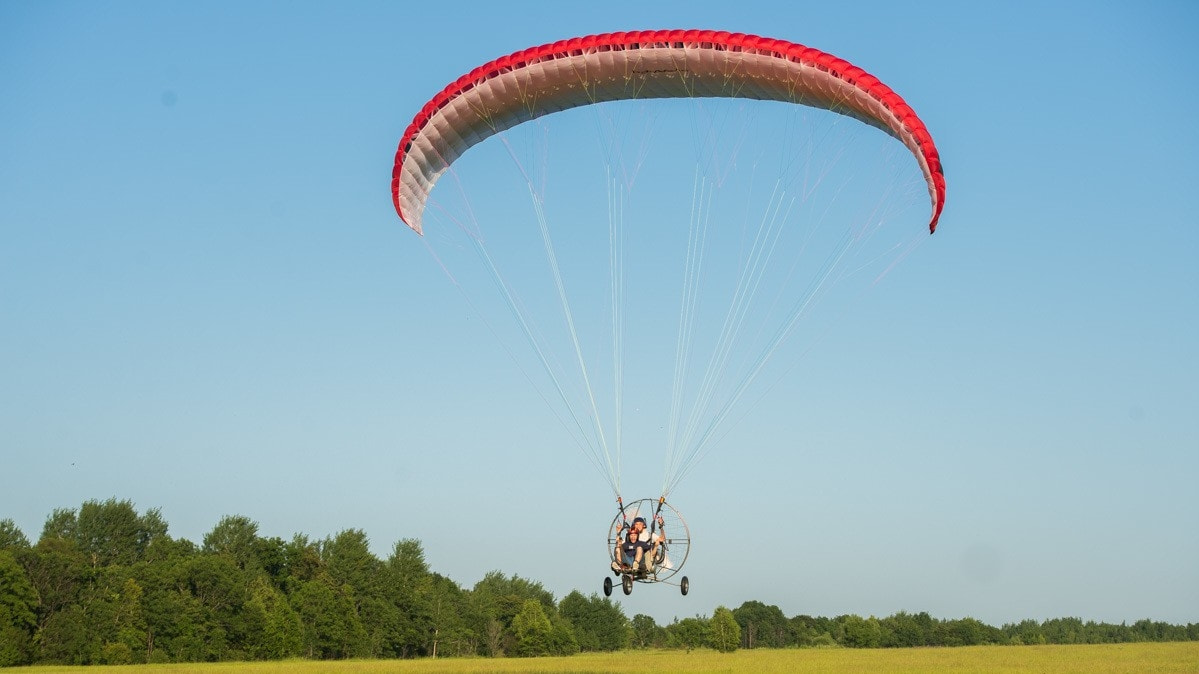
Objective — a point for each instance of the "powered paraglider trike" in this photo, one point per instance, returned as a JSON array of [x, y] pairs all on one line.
[[662, 532], [740, 185]]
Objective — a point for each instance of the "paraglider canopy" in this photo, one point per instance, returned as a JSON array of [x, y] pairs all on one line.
[[643, 64]]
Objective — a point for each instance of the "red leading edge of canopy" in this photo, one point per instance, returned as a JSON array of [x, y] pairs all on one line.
[[730, 41]]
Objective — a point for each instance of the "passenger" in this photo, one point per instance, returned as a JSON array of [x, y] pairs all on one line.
[[628, 551]]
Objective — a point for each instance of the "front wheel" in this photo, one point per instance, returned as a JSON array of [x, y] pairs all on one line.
[[684, 586], [607, 587], [626, 583]]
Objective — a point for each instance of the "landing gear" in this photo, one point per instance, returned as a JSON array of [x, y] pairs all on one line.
[[626, 583], [684, 586], [608, 587]]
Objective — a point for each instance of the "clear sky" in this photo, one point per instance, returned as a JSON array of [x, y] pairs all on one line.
[[208, 305]]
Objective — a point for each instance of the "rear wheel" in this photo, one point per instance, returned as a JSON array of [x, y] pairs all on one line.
[[684, 586], [607, 586]]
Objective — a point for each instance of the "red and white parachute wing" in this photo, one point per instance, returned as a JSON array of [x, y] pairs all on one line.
[[636, 65]]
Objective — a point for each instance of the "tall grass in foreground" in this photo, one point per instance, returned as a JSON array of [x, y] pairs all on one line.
[[1155, 658]]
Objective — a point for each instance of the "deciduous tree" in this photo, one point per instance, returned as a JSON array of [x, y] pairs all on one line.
[[599, 624], [688, 633], [762, 625], [111, 532], [235, 537], [644, 632], [273, 629], [11, 537], [861, 632], [724, 634], [18, 603], [532, 630]]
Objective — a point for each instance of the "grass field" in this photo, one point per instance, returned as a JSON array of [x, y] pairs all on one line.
[[1147, 658]]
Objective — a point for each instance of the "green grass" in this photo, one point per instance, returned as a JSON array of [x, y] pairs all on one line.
[[1147, 658]]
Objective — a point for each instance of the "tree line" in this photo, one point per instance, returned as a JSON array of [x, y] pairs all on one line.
[[105, 584]]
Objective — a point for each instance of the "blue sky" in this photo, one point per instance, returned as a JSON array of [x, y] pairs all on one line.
[[209, 306]]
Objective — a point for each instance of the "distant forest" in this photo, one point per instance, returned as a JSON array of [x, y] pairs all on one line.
[[107, 585]]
